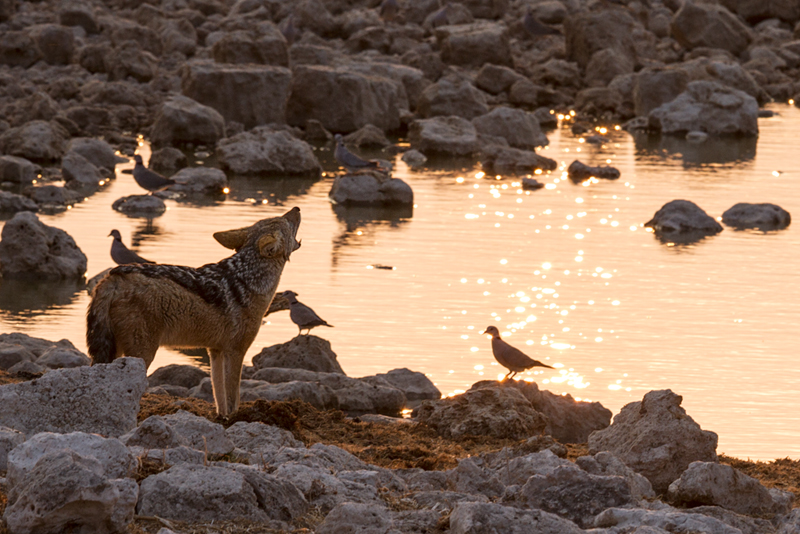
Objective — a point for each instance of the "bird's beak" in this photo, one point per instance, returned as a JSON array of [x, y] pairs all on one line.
[[483, 332]]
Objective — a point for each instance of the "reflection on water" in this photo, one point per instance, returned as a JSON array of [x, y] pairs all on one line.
[[22, 299], [567, 273]]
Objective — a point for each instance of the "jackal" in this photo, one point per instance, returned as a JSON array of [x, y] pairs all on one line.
[[140, 307]]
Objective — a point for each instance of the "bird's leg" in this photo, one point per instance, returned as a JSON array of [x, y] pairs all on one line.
[[506, 377]]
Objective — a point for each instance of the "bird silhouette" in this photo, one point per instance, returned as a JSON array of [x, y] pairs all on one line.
[[510, 357], [304, 317], [536, 28], [121, 254], [350, 161], [147, 179]]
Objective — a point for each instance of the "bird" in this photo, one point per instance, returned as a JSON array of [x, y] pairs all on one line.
[[304, 317], [147, 179], [536, 28], [121, 254], [510, 357], [388, 10], [350, 161]]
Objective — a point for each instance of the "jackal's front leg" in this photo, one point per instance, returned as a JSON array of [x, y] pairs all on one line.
[[226, 373]]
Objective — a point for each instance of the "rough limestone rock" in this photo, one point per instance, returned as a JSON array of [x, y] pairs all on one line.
[[474, 44], [11, 354], [302, 352], [175, 374], [31, 249], [517, 470], [199, 433], [141, 205], [250, 94], [265, 151], [36, 345], [13, 203], [199, 493], [656, 86], [280, 499], [490, 518], [471, 476], [699, 24], [354, 517], [324, 490], [37, 141], [683, 216], [606, 464], [414, 384], [199, 181], [181, 120], [589, 32], [656, 438], [708, 107], [154, 433], [320, 397], [9, 438], [518, 127], [574, 494], [262, 441], [67, 492], [80, 173], [63, 358], [669, 520], [101, 399], [452, 136], [498, 412], [452, 96], [17, 170], [370, 188], [709, 483], [763, 217]]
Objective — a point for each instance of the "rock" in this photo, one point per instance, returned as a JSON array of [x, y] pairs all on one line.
[[589, 32], [102, 399], [66, 491], [38, 141], [173, 456], [353, 517], [656, 438], [669, 520], [13, 203], [696, 137], [262, 441], [708, 107], [369, 136], [531, 184], [199, 433], [474, 44], [154, 433], [414, 158], [302, 352], [518, 127], [471, 476], [129, 60], [63, 358], [17, 49], [9, 439], [36, 345], [753, 11], [53, 197], [167, 160], [452, 97], [490, 518], [240, 47], [502, 159], [250, 94], [764, 217], [78, 14], [710, 483], [416, 386], [79, 173], [267, 152], [324, 490], [698, 25], [175, 374], [498, 412], [181, 120], [370, 188], [343, 99], [444, 500], [31, 249], [579, 171], [11, 354], [178, 36], [452, 136], [319, 397], [495, 79], [17, 170], [98, 152], [606, 464], [515, 471], [280, 499], [683, 216], [656, 86], [199, 493], [56, 43], [144, 205], [199, 181]]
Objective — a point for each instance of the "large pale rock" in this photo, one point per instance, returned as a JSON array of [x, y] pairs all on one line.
[[669, 520], [518, 127], [63, 358], [452, 96], [683, 216], [708, 107], [67, 492], [490, 518], [181, 120], [454, 136], [101, 399], [415, 385], [709, 483], [320, 397], [656, 438], [9, 438], [498, 412], [353, 517], [265, 151], [250, 94], [606, 464], [262, 441], [175, 374], [29, 248], [343, 99], [515, 471], [474, 44], [324, 490], [280, 499], [38, 141], [370, 188], [709, 25], [472, 477], [764, 216], [154, 433], [36, 345], [589, 32], [11, 354], [302, 352], [199, 433]]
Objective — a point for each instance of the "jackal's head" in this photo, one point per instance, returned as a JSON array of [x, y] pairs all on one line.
[[274, 237]]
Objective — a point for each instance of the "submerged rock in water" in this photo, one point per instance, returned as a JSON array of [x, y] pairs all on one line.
[[763, 217], [579, 171], [683, 216], [141, 205], [453, 136], [266, 152], [370, 188]]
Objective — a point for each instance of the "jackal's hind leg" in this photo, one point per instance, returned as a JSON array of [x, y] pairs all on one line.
[[232, 377]]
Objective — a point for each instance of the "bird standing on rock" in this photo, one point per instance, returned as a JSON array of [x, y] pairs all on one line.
[[509, 357], [350, 161], [304, 317], [121, 254], [147, 179]]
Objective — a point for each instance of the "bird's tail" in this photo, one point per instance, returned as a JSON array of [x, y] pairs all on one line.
[[100, 338]]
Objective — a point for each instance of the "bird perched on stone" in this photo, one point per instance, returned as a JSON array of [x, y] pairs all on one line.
[[121, 254], [388, 10], [304, 317], [536, 28], [147, 179], [350, 161], [509, 357]]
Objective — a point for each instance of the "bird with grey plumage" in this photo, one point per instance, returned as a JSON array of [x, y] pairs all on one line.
[[147, 179], [121, 254], [510, 357], [350, 161], [536, 28], [304, 317]]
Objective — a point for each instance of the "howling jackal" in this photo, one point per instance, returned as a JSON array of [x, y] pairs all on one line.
[[140, 307]]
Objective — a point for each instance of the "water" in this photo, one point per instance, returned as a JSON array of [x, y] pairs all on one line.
[[568, 273]]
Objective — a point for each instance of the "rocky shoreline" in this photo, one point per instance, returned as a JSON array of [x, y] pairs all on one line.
[[108, 449]]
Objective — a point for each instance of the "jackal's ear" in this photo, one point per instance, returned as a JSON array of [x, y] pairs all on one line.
[[270, 245], [232, 239]]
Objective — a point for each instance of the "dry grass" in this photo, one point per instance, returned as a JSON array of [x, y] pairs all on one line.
[[783, 473]]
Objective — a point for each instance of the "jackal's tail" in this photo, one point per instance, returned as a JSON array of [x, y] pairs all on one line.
[[99, 337]]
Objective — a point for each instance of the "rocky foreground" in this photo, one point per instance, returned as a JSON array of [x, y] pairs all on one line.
[[107, 449]]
